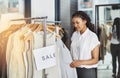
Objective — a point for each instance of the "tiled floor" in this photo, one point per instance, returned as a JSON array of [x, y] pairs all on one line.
[[106, 63], [105, 68], [104, 73]]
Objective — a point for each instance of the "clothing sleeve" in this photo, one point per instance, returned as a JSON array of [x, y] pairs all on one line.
[[73, 35], [94, 42]]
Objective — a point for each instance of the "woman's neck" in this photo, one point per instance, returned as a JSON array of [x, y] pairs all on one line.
[[83, 30]]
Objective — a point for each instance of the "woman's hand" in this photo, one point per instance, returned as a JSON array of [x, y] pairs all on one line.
[[93, 60], [75, 63]]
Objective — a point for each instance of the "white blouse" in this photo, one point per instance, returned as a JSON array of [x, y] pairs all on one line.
[[82, 46], [114, 40]]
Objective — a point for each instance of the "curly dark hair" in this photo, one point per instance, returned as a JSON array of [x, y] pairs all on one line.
[[116, 24], [84, 16]]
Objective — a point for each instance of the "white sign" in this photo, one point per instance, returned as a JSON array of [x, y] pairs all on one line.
[[45, 57]]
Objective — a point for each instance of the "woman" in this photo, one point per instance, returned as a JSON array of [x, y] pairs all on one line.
[[115, 46], [84, 46]]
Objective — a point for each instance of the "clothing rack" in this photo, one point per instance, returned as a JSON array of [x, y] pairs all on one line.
[[44, 75], [29, 18], [56, 22], [36, 18]]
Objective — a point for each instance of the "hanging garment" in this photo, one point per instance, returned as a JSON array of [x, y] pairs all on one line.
[[52, 72], [28, 54], [103, 41], [65, 60], [3, 44], [8, 52], [19, 57], [16, 66]]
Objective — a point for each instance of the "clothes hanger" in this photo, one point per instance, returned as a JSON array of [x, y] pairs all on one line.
[[53, 27], [39, 28], [48, 28], [57, 35], [34, 27]]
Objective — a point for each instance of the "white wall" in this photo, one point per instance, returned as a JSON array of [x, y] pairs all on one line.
[[101, 13], [115, 13], [106, 1], [43, 8]]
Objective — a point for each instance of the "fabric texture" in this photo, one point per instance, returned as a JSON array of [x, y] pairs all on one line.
[[65, 60], [79, 44], [52, 72], [114, 38]]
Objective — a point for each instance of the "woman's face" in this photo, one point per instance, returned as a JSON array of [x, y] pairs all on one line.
[[79, 24]]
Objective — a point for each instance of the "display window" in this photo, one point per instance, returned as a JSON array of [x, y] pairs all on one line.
[[9, 10], [11, 6], [85, 3]]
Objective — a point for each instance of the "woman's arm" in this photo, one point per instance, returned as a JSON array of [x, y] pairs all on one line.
[[94, 60]]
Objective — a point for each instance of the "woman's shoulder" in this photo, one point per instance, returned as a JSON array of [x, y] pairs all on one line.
[[93, 38], [74, 35], [92, 33]]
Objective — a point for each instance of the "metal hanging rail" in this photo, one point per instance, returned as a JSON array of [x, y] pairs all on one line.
[[49, 21], [55, 22], [29, 18]]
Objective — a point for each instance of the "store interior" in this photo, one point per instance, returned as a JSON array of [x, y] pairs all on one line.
[[59, 12]]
